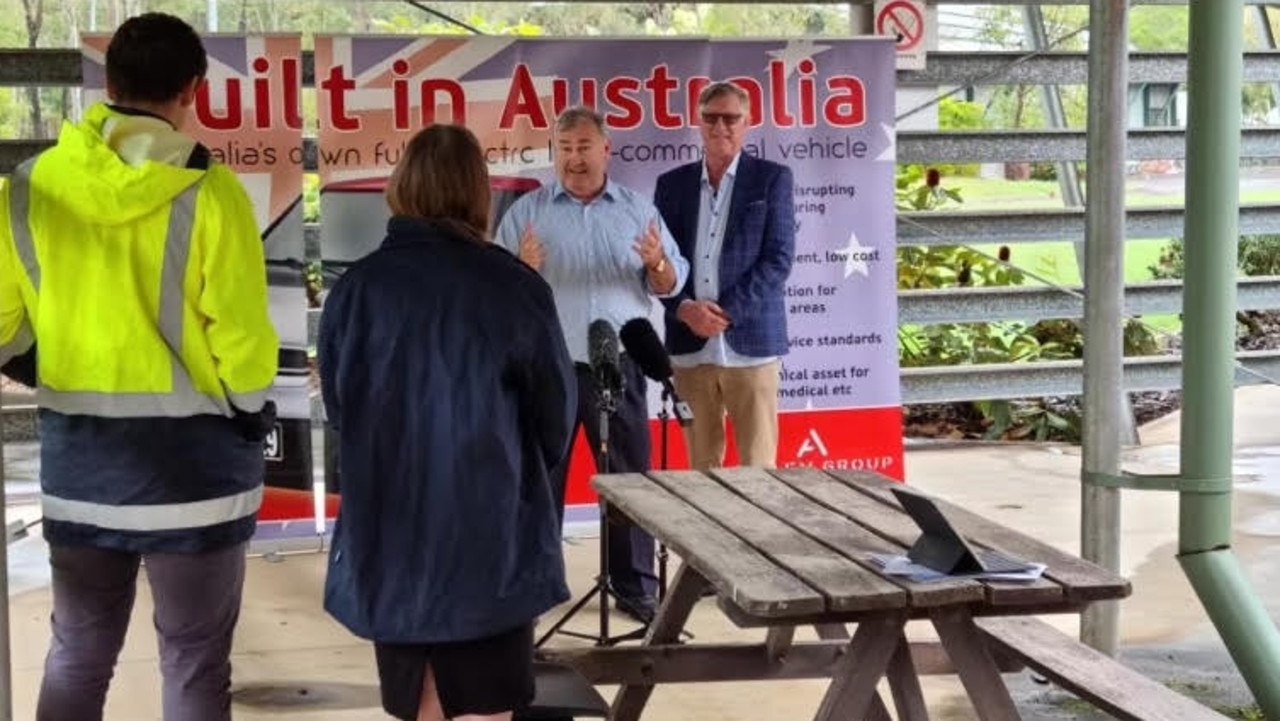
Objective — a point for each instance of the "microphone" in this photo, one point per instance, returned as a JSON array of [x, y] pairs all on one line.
[[642, 344], [602, 355]]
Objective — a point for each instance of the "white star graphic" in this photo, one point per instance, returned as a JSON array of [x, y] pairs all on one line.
[[890, 152], [855, 254], [794, 52]]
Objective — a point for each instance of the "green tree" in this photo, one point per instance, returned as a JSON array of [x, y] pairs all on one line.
[[1151, 28], [1158, 27], [956, 114]]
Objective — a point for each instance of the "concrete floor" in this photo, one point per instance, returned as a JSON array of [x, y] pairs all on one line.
[[292, 662]]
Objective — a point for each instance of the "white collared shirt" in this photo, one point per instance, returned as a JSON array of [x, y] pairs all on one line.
[[713, 216]]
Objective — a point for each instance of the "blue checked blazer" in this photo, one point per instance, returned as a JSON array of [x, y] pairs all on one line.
[[759, 245]]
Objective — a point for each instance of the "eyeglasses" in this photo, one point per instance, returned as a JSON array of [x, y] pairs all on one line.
[[714, 119]]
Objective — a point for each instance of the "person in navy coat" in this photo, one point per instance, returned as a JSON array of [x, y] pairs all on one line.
[[733, 217], [447, 380]]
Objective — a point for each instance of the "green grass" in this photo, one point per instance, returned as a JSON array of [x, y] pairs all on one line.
[[1055, 263], [997, 194]]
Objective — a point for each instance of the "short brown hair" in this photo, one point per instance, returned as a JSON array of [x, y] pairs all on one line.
[[443, 176], [581, 115]]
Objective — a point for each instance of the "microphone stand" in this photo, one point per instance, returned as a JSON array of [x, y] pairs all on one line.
[[607, 405], [663, 416]]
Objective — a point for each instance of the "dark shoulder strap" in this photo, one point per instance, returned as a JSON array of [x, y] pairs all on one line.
[[199, 158]]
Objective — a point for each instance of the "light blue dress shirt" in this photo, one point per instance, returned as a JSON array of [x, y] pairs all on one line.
[[590, 259], [713, 213]]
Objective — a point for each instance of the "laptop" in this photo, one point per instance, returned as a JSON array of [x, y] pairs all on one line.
[[941, 548]]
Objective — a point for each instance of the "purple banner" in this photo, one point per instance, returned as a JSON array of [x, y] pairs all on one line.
[[823, 107]]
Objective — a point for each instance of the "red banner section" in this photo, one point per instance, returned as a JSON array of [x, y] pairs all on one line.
[[846, 439]]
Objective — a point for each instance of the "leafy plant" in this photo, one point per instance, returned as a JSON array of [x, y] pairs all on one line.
[[973, 343], [1068, 334], [1028, 420], [1257, 255], [311, 197], [949, 266], [921, 189], [313, 277], [946, 266]]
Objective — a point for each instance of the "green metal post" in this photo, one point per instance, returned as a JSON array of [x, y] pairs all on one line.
[[1215, 70]]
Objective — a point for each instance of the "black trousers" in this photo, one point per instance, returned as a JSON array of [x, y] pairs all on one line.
[[631, 549]]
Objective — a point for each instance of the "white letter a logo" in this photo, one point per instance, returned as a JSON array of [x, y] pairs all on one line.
[[812, 444]]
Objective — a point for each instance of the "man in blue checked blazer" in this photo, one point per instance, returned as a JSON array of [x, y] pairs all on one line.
[[733, 217]]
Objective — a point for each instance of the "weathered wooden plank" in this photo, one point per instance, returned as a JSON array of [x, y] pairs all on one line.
[[745, 620], [878, 711], [838, 631], [974, 664], [904, 684], [778, 641], [715, 663], [736, 570], [831, 529], [999, 593], [853, 690], [897, 530], [832, 631], [1080, 579], [1093, 676], [846, 585], [821, 524], [687, 588]]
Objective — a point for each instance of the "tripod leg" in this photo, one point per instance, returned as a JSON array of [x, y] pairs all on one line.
[[663, 417], [564, 619], [662, 572], [604, 573]]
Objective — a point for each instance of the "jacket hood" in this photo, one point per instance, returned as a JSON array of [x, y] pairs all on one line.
[[114, 167]]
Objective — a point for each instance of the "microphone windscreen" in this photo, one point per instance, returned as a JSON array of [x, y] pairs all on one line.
[[645, 348], [602, 345]]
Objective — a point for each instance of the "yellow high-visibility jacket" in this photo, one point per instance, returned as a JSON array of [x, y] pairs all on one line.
[[140, 280]]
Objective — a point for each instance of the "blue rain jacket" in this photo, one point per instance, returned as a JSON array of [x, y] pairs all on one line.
[[445, 373]]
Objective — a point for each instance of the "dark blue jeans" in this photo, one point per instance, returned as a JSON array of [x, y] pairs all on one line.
[[197, 604]]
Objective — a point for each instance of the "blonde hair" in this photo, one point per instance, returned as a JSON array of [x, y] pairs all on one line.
[[722, 88], [443, 177]]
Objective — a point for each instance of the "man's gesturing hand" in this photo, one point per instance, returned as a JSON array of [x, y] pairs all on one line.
[[531, 250], [649, 246]]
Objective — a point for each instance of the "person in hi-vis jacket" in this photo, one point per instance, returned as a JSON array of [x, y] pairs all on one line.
[[133, 290]]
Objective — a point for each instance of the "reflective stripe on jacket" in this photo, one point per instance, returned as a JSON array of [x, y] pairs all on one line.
[[139, 279], [144, 285]]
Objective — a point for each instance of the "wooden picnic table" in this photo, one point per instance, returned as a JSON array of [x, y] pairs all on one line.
[[791, 547]]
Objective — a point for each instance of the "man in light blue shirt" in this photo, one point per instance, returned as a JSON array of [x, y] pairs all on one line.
[[606, 254]]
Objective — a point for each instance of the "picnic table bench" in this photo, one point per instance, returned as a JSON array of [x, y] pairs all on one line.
[[792, 547]]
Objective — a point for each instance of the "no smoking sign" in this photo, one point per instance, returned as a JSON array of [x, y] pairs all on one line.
[[905, 21]]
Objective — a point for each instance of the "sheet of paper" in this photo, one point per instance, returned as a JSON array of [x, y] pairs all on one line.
[[902, 566]]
